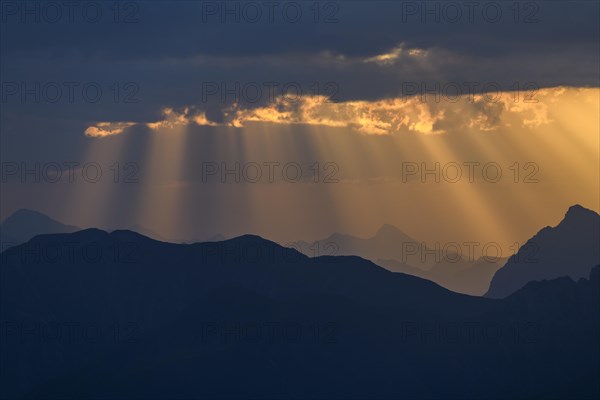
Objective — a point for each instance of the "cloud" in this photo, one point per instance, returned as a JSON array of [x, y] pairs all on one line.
[[535, 113], [360, 29], [425, 115], [395, 55], [172, 119], [417, 114], [103, 129]]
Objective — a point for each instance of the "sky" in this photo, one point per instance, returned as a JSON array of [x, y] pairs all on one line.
[[454, 121]]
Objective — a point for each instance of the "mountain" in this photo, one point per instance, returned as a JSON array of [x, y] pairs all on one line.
[[248, 262], [388, 242], [146, 232], [119, 315], [157, 236], [24, 224], [398, 252], [569, 249], [462, 276]]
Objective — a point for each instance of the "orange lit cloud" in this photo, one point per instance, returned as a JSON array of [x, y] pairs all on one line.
[[103, 129], [420, 114]]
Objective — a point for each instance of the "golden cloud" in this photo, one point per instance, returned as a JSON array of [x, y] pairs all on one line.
[[103, 129], [420, 114]]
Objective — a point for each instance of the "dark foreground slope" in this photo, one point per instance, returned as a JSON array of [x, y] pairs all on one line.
[[98, 315]]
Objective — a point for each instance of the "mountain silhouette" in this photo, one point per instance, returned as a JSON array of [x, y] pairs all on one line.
[[396, 251], [569, 249], [462, 276], [121, 315], [146, 232], [386, 243], [24, 224]]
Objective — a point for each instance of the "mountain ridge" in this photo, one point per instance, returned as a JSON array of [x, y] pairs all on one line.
[[193, 310], [24, 224], [568, 249]]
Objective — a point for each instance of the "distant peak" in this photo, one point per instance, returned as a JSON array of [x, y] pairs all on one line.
[[26, 211], [249, 236], [25, 214], [91, 231], [249, 239], [577, 211], [387, 228]]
